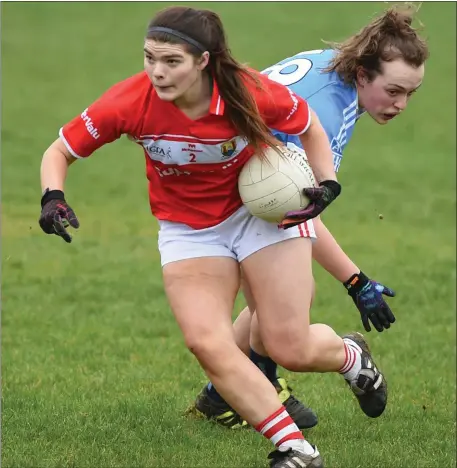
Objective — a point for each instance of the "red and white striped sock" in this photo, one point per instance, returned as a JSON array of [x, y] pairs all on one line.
[[353, 361], [283, 432]]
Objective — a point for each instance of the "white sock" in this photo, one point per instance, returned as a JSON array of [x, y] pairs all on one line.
[[283, 432], [302, 446], [353, 362]]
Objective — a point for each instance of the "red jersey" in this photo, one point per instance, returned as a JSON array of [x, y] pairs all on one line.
[[192, 165]]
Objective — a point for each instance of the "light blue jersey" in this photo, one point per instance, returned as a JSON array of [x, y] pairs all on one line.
[[334, 101]]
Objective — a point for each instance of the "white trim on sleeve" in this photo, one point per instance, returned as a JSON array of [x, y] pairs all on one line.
[[69, 148], [307, 125]]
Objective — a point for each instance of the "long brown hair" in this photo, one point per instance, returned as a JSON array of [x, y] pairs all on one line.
[[205, 27], [386, 38]]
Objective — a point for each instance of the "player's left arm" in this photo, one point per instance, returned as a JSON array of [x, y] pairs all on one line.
[[367, 294], [292, 115], [318, 150]]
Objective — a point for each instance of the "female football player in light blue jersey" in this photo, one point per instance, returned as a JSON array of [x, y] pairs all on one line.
[[374, 72]]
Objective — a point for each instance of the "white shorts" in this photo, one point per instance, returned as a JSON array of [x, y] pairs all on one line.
[[238, 237]]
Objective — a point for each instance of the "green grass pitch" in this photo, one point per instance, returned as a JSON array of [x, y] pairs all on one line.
[[94, 370]]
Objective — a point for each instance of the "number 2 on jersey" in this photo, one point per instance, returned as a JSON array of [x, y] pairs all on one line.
[[302, 67]]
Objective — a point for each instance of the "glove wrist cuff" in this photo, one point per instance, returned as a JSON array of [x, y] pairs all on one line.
[[356, 282], [51, 195], [333, 185]]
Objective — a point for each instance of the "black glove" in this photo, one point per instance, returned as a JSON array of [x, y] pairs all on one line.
[[367, 296], [319, 197], [56, 215]]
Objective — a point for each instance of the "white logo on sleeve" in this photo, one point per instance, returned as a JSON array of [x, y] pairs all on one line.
[[295, 104], [89, 125]]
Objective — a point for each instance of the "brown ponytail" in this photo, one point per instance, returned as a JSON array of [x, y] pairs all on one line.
[[386, 38], [205, 27]]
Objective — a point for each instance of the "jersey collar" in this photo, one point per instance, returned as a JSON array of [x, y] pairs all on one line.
[[217, 106]]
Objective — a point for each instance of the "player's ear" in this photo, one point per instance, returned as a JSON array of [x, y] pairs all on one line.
[[361, 76], [203, 61]]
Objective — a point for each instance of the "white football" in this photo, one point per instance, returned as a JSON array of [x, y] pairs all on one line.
[[272, 186]]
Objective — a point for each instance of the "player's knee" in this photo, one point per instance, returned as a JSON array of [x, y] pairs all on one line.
[[297, 362], [295, 358], [199, 345], [205, 344]]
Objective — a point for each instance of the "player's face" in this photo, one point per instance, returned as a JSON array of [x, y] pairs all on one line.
[[172, 70], [388, 94]]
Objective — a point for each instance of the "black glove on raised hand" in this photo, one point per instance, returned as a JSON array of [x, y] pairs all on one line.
[[56, 215]]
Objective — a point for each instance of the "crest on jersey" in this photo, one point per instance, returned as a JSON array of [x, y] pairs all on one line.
[[228, 148]]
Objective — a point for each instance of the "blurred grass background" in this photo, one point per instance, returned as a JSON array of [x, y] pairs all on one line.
[[94, 370]]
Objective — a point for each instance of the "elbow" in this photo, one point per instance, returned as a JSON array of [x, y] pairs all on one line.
[[58, 150]]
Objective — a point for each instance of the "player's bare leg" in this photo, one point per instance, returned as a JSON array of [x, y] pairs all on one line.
[[286, 333], [211, 405], [304, 417], [282, 308], [242, 330], [255, 340], [201, 293]]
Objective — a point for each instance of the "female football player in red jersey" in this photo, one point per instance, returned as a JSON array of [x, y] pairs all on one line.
[[374, 72], [199, 115]]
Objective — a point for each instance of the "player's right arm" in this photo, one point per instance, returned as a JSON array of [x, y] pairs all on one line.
[[54, 166], [101, 123]]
